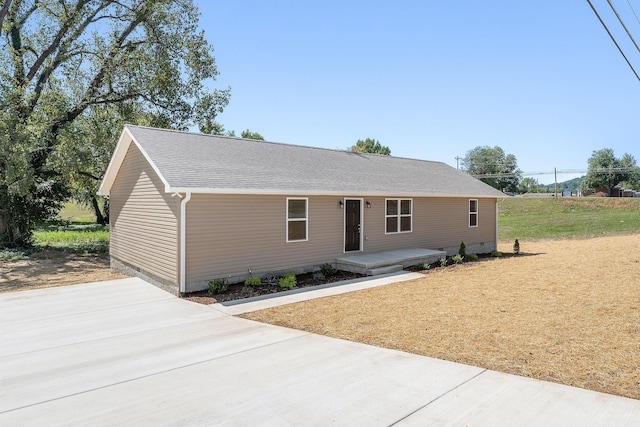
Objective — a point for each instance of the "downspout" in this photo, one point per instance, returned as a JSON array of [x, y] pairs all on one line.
[[183, 241]]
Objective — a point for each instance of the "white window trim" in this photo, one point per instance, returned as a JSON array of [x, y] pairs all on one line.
[[398, 215], [305, 219], [474, 213]]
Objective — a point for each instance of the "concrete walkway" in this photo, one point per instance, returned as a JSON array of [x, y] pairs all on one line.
[[127, 353]]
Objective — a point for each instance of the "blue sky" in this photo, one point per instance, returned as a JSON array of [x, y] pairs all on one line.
[[431, 80]]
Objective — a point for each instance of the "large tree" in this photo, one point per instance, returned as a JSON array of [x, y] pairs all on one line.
[[70, 69], [606, 171], [372, 146], [492, 166]]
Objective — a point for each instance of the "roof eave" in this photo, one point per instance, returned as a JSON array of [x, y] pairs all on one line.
[[280, 192], [122, 147]]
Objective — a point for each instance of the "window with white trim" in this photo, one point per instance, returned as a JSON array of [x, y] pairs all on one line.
[[473, 212], [398, 215], [297, 219]]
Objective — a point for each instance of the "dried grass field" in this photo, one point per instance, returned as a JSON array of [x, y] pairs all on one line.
[[566, 311]]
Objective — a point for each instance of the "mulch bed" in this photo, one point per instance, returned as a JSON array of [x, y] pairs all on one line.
[[240, 291]]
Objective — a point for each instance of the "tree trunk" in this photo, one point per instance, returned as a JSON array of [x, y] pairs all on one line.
[[100, 218]]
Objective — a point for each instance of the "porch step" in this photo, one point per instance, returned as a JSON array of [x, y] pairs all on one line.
[[384, 270], [394, 259]]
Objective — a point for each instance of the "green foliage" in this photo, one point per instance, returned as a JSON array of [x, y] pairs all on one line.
[[253, 281], [566, 217], [471, 257], [493, 161], [251, 135], [457, 259], [217, 286], [463, 250], [370, 146], [12, 255], [328, 269], [496, 254], [516, 247], [71, 73], [288, 281], [423, 266], [606, 170], [73, 238], [443, 262]]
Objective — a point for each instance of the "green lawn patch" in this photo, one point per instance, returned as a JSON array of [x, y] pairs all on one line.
[[566, 218], [73, 238]]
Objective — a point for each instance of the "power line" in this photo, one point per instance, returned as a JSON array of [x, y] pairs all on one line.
[[613, 171], [623, 25], [633, 10], [613, 39]]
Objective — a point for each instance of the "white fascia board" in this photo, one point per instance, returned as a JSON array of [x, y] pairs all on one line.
[[280, 192], [122, 147]]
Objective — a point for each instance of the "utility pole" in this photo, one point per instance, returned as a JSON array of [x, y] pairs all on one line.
[[458, 158], [555, 187]]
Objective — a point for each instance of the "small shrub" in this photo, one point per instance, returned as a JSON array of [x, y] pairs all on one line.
[[218, 286], [253, 281], [463, 250], [457, 259], [443, 262], [328, 269], [496, 254], [423, 266], [319, 275], [471, 257], [288, 281], [516, 247], [12, 255]]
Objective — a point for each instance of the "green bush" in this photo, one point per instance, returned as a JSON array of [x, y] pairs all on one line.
[[443, 262], [471, 257], [253, 281], [457, 259], [288, 281], [423, 266], [12, 255], [218, 286], [328, 269], [496, 254], [463, 250], [516, 247]]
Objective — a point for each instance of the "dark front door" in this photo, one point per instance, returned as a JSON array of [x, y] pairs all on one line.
[[352, 226]]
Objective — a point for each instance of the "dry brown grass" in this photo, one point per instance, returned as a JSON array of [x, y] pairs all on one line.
[[54, 268], [565, 311]]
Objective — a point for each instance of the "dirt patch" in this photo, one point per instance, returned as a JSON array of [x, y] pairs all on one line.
[[240, 291], [54, 268], [564, 311]]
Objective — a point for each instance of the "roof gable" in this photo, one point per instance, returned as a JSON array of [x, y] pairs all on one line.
[[189, 162]]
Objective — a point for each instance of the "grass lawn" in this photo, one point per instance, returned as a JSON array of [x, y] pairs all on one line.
[[76, 232], [566, 217]]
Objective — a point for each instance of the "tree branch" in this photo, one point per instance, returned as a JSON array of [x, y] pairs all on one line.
[[66, 26], [61, 56], [3, 12], [90, 94]]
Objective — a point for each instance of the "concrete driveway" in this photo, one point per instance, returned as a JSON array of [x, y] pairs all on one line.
[[127, 353]]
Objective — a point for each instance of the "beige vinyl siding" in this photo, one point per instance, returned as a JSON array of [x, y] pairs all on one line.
[[144, 220], [229, 234], [437, 223]]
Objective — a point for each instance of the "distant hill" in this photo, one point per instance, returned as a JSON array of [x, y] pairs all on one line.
[[572, 185]]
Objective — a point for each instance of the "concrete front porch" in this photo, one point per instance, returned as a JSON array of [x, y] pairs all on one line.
[[388, 261]]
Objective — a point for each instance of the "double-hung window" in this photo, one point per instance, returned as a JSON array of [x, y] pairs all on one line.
[[398, 215], [297, 219], [473, 212]]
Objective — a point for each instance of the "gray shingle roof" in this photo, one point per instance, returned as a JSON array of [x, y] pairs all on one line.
[[207, 163]]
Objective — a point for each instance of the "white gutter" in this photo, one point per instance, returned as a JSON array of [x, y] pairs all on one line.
[[183, 239]]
